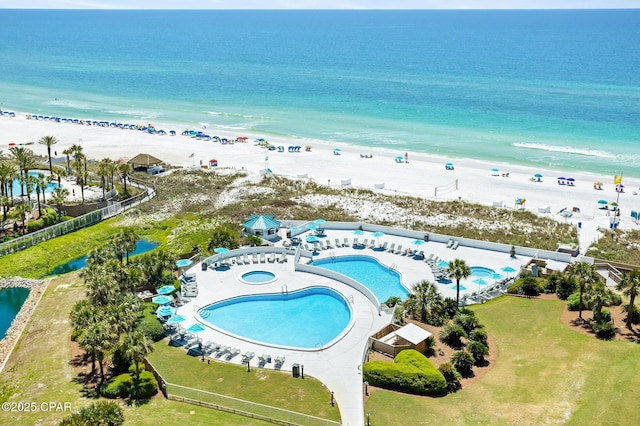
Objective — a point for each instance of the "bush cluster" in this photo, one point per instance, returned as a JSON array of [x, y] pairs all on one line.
[[528, 286], [151, 327], [126, 385], [410, 372]]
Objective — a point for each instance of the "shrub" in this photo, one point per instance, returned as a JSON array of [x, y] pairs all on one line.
[[605, 315], [35, 225], [452, 334], [479, 335], [478, 350], [144, 387], [466, 321], [117, 387], [565, 288], [410, 372], [151, 327], [252, 241], [635, 319], [449, 307], [551, 286], [120, 362], [107, 413], [463, 362], [573, 303], [604, 330], [393, 301], [451, 375]]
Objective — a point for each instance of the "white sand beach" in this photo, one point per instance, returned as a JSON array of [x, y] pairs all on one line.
[[420, 176]]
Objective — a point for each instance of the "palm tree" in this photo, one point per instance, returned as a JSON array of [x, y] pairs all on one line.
[[426, 296], [599, 296], [48, 141], [630, 286], [23, 210], [103, 173], [58, 197], [4, 202], [68, 153], [135, 346], [129, 240], [58, 173], [124, 170], [585, 274], [97, 340], [458, 269], [24, 159], [41, 184]]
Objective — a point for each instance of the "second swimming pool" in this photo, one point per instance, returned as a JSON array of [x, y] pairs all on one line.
[[384, 282]]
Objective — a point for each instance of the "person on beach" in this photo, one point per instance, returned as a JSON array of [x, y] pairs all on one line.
[[406, 157]]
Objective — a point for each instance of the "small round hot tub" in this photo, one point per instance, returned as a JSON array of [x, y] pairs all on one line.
[[258, 277]]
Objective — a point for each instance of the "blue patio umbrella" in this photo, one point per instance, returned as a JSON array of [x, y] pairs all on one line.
[[312, 226], [508, 269], [165, 311], [221, 250], [176, 319], [166, 289], [162, 300], [183, 263], [418, 242], [480, 281], [358, 232], [319, 221], [196, 328], [443, 263], [495, 276], [538, 175], [603, 202], [462, 287], [312, 239], [378, 234], [295, 229]]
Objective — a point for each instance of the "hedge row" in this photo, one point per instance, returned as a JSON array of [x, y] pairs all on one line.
[[410, 372], [126, 385]]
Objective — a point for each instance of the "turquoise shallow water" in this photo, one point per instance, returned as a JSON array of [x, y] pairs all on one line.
[[11, 300], [556, 89]]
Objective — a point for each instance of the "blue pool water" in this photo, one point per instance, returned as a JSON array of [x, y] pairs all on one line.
[[142, 246], [258, 277], [17, 190], [11, 300], [309, 318], [384, 282], [481, 271]]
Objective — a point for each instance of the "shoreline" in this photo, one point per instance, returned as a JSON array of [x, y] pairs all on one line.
[[423, 175], [36, 290]]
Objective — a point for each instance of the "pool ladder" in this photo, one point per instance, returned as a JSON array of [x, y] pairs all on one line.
[[394, 266], [284, 289], [350, 299]]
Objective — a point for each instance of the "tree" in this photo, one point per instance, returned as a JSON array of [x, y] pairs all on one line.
[[124, 170], [223, 236], [103, 413], [451, 375], [67, 152], [41, 186], [135, 345], [452, 335], [463, 361], [458, 269], [103, 173], [58, 197], [478, 351], [425, 295], [598, 296], [48, 141], [630, 286], [96, 340], [23, 209], [25, 160], [584, 274]]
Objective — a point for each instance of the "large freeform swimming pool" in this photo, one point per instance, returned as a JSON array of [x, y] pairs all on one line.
[[383, 282], [310, 318]]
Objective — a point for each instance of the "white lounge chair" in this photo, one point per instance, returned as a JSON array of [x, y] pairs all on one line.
[[338, 244], [455, 245], [262, 258], [247, 356], [355, 242], [272, 258], [383, 247], [398, 250], [372, 244], [365, 243], [238, 260], [279, 362], [264, 359], [232, 352], [392, 248], [246, 259], [283, 258], [345, 242], [449, 243], [254, 257], [429, 258], [327, 244]]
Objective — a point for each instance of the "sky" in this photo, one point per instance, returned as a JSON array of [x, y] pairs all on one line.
[[320, 4]]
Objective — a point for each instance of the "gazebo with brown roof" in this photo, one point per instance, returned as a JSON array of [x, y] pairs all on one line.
[[144, 162]]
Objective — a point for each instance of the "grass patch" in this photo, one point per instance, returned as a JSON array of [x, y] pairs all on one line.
[[545, 373], [264, 386], [623, 247]]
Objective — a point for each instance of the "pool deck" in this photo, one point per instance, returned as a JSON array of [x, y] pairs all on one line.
[[339, 365]]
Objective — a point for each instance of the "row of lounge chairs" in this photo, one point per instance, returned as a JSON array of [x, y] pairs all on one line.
[[260, 258], [453, 244], [189, 286]]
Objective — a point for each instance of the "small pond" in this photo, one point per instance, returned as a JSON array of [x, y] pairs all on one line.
[[11, 300]]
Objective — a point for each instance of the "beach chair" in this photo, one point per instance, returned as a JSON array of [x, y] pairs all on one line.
[[239, 260], [328, 244], [383, 247], [372, 244], [272, 258], [365, 243], [247, 356], [254, 257], [455, 245], [419, 256], [355, 242], [449, 243], [429, 258], [283, 258], [338, 244], [392, 248], [345, 242], [245, 258], [279, 362], [398, 250], [264, 359], [232, 352], [262, 258]]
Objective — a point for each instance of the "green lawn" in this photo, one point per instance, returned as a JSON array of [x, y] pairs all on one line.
[[545, 373]]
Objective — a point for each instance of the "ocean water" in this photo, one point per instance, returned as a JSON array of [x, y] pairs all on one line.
[[554, 89]]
